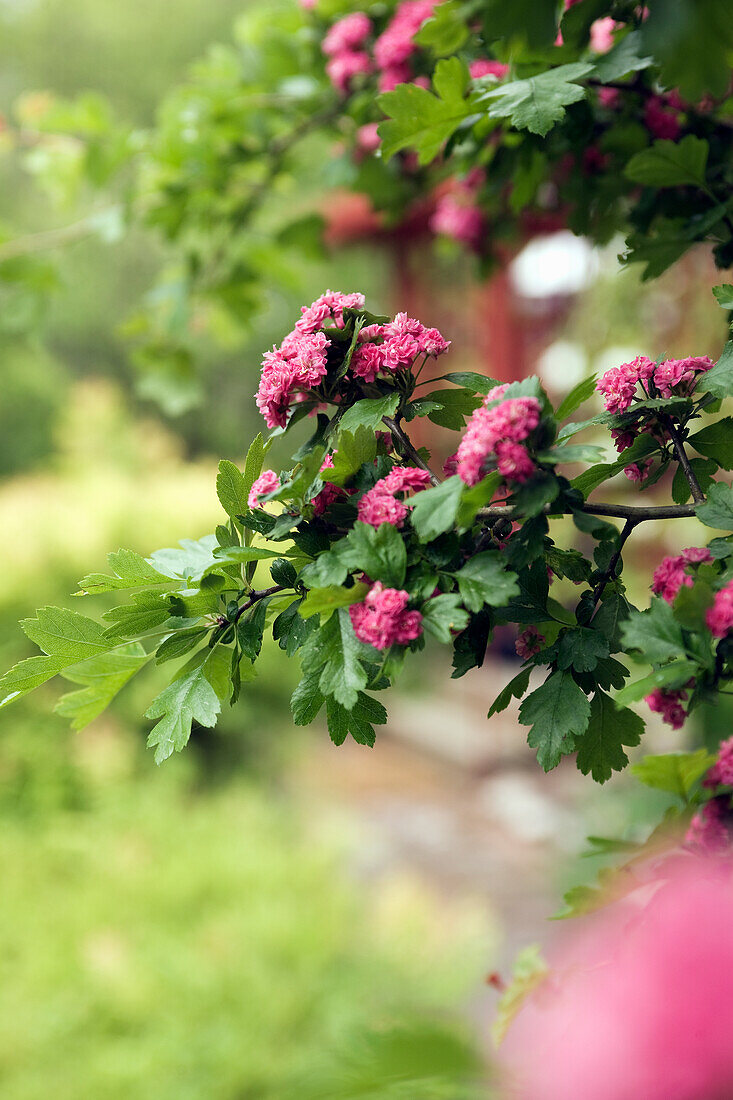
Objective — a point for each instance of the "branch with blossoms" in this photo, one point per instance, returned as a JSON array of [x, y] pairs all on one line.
[[370, 553]]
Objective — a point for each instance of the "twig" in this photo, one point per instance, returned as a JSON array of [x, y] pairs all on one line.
[[408, 450], [615, 511], [610, 570], [679, 450], [255, 597]]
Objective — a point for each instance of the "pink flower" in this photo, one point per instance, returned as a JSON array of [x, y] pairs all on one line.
[[461, 220], [638, 471], [367, 361], [433, 342], [379, 506], [513, 462], [722, 769], [489, 429], [669, 705], [610, 98], [297, 365], [328, 309], [670, 575], [400, 351], [719, 617], [382, 619], [601, 35], [708, 832], [367, 138], [394, 75], [675, 373], [342, 69], [619, 384], [405, 479], [661, 118], [347, 34], [266, 483], [396, 44], [450, 466], [486, 67], [529, 642], [639, 1004]]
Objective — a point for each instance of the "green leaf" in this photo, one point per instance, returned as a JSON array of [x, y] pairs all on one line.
[[250, 630], [470, 380], [359, 721], [484, 580], [147, 610], [27, 675], [178, 644], [672, 676], [253, 463], [328, 569], [716, 442], [529, 972], [515, 689], [676, 772], [691, 40], [571, 452], [446, 31], [532, 20], [369, 413], [231, 489], [601, 748], [307, 699], [130, 570], [63, 633], [670, 163], [558, 712], [187, 699], [724, 295], [626, 56], [577, 396], [337, 646], [189, 562], [352, 451], [717, 511], [102, 677], [328, 599], [719, 380], [378, 551], [443, 614], [704, 470], [240, 555], [581, 649], [434, 510], [421, 120], [655, 632], [537, 102]]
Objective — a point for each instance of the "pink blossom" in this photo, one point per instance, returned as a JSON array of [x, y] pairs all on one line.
[[722, 769], [266, 483], [298, 364], [367, 137], [405, 479], [450, 466], [367, 361], [347, 34], [326, 309], [461, 220], [638, 471], [513, 462], [379, 506], [708, 832], [622, 440], [638, 1005], [601, 35], [529, 642], [496, 393], [396, 44], [594, 160], [618, 385], [670, 575], [433, 342], [610, 98], [342, 69], [662, 119], [668, 704], [394, 75], [672, 374], [382, 620], [511, 421], [400, 351], [719, 617], [487, 67]]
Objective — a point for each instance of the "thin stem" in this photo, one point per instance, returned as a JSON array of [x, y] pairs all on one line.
[[614, 511], [407, 448], [610, 571], [679, 450], [255, 597]]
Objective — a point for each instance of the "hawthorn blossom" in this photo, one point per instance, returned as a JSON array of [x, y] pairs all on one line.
[[380, 504], [492, 435], [662, 118], [708, 832], [266, 483], [396, 44], [298, 364], [347, 34], [618, 385], [722, 769], [601, 34], [678, 377], [487, 67], [671, 573], [668, 704], [719, 617], [327, 309], [382, 619], [529, 642]]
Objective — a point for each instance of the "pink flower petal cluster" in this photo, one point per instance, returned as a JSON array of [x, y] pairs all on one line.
[[493, 434], [601, 34], [342, 45], [380, 504], [722, 769], [265, 483], [639, 1005], [330, 493], [618, 385], [719, 617], [487, 67], [457, 213], [396, 45], [297, 365], [638, 471], [529, 642], [668, 704], [394, 347], [678, 377], [327, 310], [708, 832], [671, 573], [662, 116], [347, 48], [382, 620]]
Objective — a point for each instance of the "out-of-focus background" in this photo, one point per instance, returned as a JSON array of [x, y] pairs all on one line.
[[266, 915]]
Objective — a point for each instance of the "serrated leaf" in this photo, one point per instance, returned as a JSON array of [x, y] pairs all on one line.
[[378, 551], [352, 451], [717, 511], [529, 971], [443, 614], [359, 721], [369, 412], [672, 676], [253, 463], [470, 380], [307, 699], [102, 677], [724, 295], [515, 689], [654, 632], [27, 675], [716, 442], [231, 489], [189, 698], [130, 570], [338, 648], [558, 712], [434, 510], [420, 120], [670, 163], [581, 649], [719, 380], [626, 56], [179, 644], [601, 748], [188, 561], [320, 600], [485, 581], [537, 102], [676, 773], [63, 633]]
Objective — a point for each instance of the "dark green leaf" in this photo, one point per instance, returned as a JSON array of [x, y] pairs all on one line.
[[577, 396], [378, 551], [717, 511], [369, 413], [515, 689], [716, 442], [558, 712], [654, 632], [581, 649], [670, 163], [601, 748], [307, 699], [672, 676], [359, 721], [485, 580], [443, 614]]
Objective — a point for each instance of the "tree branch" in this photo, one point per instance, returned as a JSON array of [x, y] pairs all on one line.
[[614, 511], [679, 450], [610, 570], [408, 451]]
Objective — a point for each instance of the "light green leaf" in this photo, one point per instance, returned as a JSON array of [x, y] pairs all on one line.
[[420, 120], [189, 562], [442, 615], [378, 551], [529, 971], [670, 163], [130, 571], [369, 413], [724, 295], [719, 380], [352, 451], [27, 675], [434, 510], [189, 698], [577, 396], [675, 772], [537, 102], [103, 677], [253, 463], [485, 581], [717, 511], [63, 633], [231, 489], [320, 600], [672, 676]]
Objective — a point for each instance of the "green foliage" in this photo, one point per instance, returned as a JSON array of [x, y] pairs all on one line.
[[538, 102], [601, 748], [671, 163], [423, 120], [676, 772], [558, 712], [717, 511], [434, 510], [191, 696], [484, 580]]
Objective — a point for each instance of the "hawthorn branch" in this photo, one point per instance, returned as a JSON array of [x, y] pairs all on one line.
[[615, 511], [610, 571], [255, 597], [408, 451], [679, 450]]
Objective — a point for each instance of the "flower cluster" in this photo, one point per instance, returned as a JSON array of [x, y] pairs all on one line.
[[330, 493], [671, 574], [664, 115], [346, 47], [719, 617], [494, 436], [668, 704], [708, 832], [457, 213], [722, 769], [295, 370], [529, 642], [266, 483], [381, 504], [382, 620]]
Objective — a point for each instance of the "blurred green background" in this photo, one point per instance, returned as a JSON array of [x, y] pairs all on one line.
[[265, 916]]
